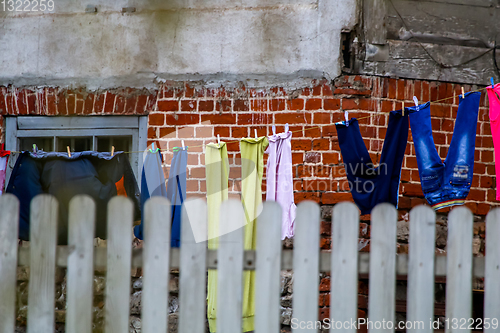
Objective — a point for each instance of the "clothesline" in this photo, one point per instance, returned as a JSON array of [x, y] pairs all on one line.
[[316, 127], [310, 128]]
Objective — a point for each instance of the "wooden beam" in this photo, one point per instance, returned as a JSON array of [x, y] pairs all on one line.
[[249, 260], [374, 13]]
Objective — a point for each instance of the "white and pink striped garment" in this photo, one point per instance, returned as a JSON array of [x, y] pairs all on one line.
[[279, 179]]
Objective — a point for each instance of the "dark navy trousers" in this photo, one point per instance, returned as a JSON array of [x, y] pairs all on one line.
[[371, 185]]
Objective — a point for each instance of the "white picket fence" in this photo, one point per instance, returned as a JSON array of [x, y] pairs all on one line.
[[193, 260]]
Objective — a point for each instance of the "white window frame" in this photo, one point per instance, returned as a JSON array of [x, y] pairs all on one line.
[[18, 127]]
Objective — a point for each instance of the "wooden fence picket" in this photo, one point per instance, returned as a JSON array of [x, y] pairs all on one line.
[[344, 264], [344, 267], [9, 220], [459, 270], [193, 267], [43, 240], [157, 217], [80, 274], [230, 268], [267, 269], [492, 271], [120, 219], [382, 284], [420, 294], [306, 265]]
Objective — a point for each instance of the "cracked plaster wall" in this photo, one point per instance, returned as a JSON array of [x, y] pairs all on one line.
[[257, 42]]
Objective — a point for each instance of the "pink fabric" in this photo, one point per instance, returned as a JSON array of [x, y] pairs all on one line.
[[494, 101], [3, 170], [279, 179]]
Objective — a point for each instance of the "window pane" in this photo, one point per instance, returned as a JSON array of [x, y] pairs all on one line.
[[121, 143], [45, 144], [75, 144]]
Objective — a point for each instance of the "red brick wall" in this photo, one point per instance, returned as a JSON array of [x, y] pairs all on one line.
[[311, 112], [197, 114]]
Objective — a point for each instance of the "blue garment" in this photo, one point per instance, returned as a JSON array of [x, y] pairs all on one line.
[[446, 184], [369, 185], [153, 184], [91, 173], [176, 191]]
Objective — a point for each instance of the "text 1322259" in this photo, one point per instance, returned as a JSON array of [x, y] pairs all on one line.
[[27, 5]]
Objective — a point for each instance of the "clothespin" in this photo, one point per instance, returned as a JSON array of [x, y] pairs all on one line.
[[255, 132], [183, 147], [69, 152], [218, 140], [286, 128], [153, 150], [492, 83], [415, 100], [403, 109], [463, 93], [274, 130], [346, 116], [112, 150]]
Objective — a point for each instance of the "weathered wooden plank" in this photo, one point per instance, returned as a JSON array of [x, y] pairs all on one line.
[[492, 269], [432, 21], [120, 219], [230, 269], [100, 260], [43, 239], [9, 221], [382, 284], [156, 265], [306, 264], [374, 15], [408, 59], [459, 269], [81, 229], [420, 295], [344, 275], [474, 3], [267, 274], [193, 266]]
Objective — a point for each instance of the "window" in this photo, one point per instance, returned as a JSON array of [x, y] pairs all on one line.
[[97, 133]]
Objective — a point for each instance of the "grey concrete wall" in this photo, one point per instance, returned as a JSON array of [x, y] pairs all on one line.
[[259, 42]]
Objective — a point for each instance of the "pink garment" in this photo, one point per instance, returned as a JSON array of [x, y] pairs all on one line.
[[279, 179], [3, 170], [494, 101]]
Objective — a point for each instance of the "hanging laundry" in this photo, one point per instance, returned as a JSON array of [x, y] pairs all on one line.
[[153, 184], [91, 173], [494, 102], [217, 177], [252, 170], [279, 179], [176, 191], [446, 184], [4, 159], [369, 185]]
